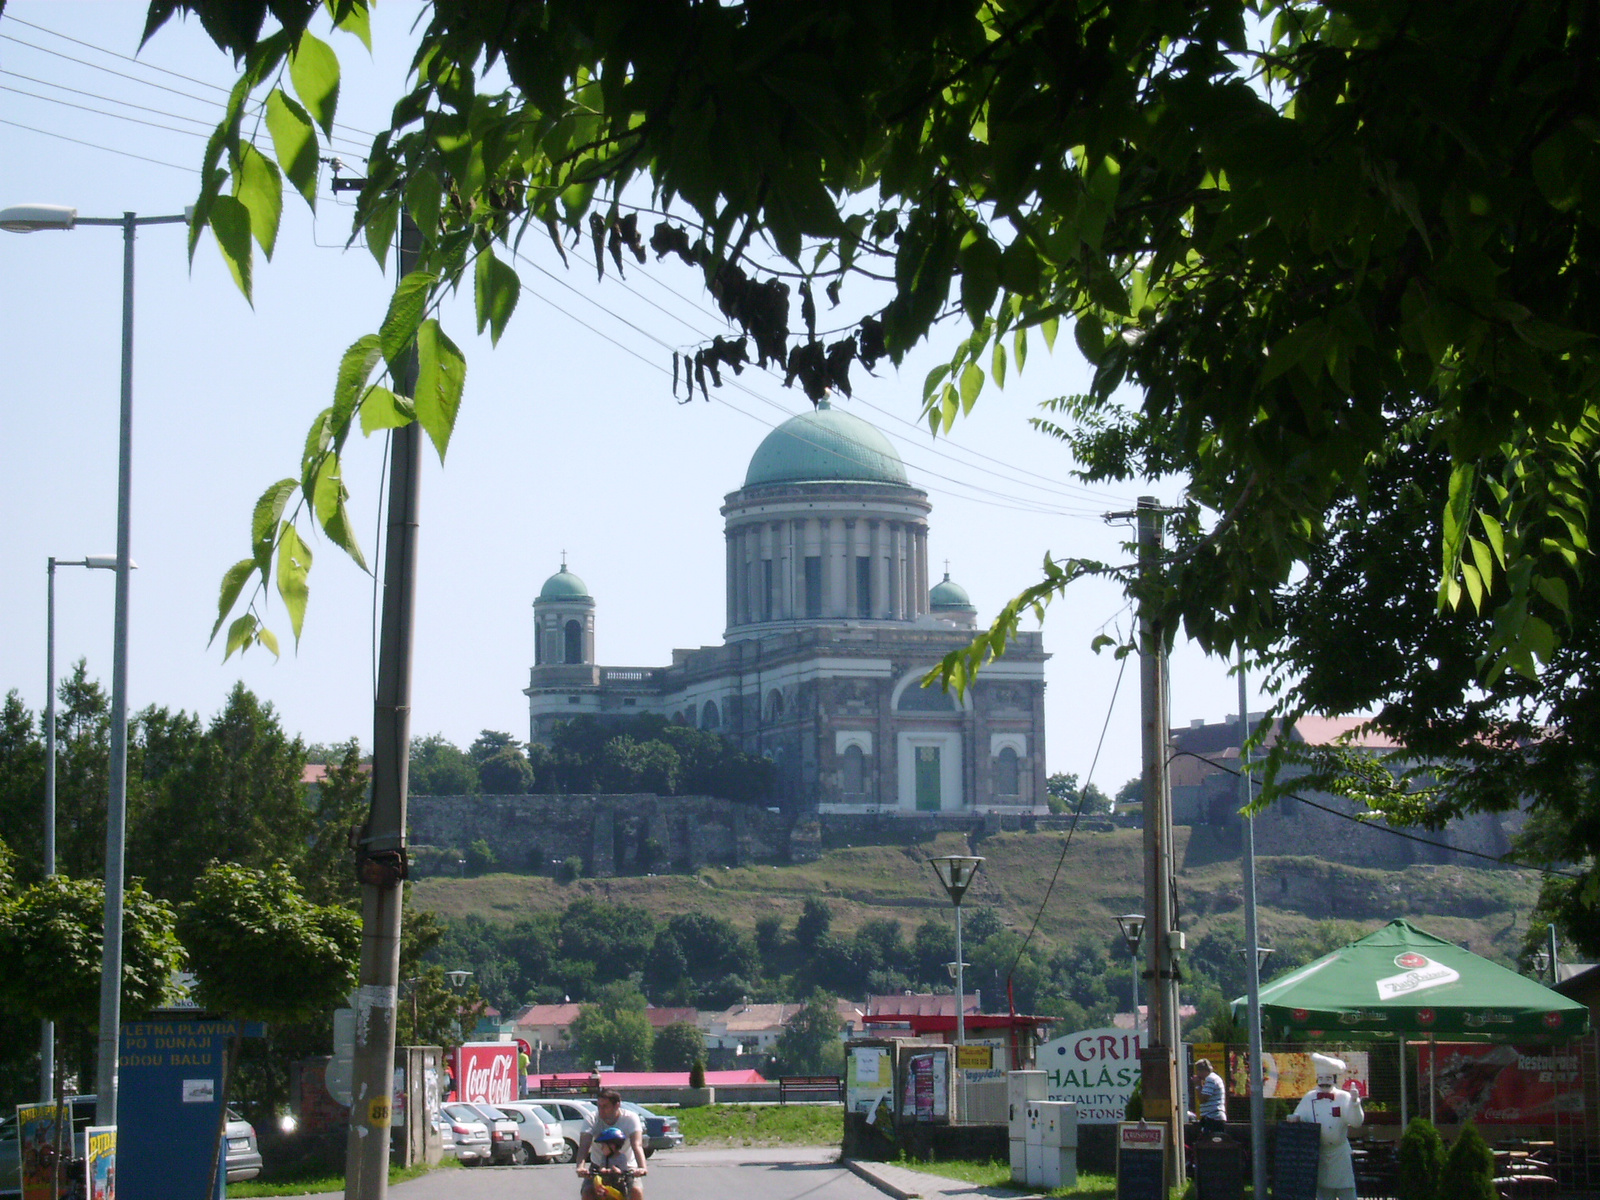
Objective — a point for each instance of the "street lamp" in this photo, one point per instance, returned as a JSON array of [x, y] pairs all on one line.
[[31, 218], [1132, 926], [458, 979], [956, 872], [102, 562], [1262, 954]]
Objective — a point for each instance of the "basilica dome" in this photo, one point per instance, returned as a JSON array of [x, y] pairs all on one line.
[[825, 445], [948, 596]]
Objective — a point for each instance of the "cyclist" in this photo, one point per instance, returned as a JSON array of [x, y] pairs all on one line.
[[615, 1142]]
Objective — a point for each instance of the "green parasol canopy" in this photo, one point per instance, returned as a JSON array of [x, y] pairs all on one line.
[[1401, 982]]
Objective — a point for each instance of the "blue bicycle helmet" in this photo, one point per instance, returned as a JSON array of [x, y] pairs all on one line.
[[612, 1134]]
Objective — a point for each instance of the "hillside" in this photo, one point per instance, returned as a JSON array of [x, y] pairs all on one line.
[[1486, 909]]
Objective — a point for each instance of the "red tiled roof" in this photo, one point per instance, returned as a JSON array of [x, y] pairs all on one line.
[[559, 1015], [917, 1004], [660, 1018]]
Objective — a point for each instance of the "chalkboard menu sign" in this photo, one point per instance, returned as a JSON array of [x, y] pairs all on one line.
[[1219, 1169], [1141, 1162], [1296, 1146]]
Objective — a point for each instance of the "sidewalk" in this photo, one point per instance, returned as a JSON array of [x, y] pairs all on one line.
[[905, 1184]]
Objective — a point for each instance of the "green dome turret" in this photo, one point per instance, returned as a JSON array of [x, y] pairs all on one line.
[[564, 585], [946, 596], [825, 445]]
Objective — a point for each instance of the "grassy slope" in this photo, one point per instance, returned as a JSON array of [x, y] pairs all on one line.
[[1102, 875]]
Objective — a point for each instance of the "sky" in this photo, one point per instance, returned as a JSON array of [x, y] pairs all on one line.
[[569, 439]]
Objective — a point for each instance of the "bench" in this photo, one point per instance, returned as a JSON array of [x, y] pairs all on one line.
[[810, 1087], [574, 1086]]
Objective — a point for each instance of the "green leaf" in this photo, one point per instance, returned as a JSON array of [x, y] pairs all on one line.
[[314, 69], [441, 375], [230, 222], [355, 368], [1457, 513], [934, 379], [240, 634], [294, 561], [496, 290], [264, 522], [971, 385], [258, 185], [382, 409], [1483, 559], [1019, 348], [406, 306], [268, 639], [1049, 327], [294, 141], [352, 18], [233, 582], [997, 363]]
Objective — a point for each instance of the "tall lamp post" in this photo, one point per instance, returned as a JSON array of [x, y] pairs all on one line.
[[956, 872], [458, 980], [31, 218], [1132, 926], [102, 562]]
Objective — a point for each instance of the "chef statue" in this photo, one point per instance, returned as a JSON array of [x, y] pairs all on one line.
[[1337, 1112]]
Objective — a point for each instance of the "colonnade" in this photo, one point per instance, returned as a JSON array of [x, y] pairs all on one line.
[[799, 568]]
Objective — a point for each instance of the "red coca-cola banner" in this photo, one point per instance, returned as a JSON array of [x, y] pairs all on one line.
[[1503, 1085], [486, 1072]]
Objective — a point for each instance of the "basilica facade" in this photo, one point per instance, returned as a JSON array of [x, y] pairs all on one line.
[[831, 625]]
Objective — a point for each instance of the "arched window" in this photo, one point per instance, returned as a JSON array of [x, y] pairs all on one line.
[[679, 719], [774, 705], [709, 717], [574, 642], [854, 772], [1005, 773], [926, 699]]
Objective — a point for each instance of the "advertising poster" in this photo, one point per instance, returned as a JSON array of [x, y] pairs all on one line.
[[869, 1080], [36, 1148], [1288, 1075], [486, 1072], [1503, 1085], [1095, 1069], [102, 1162]]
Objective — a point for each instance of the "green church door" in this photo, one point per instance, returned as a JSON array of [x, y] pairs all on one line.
[[928, 799]]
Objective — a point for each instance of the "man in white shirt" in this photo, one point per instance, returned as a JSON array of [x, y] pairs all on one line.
[[628, 1156], [1211, 1098]]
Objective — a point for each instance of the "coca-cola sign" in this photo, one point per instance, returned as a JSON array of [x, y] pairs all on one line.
[[486, 1072]]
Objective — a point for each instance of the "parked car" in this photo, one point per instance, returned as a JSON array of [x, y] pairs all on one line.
[[542, 1139], [576, 1118], [471, 1134], [502, 1132], [661, 1133], [243, 1152]]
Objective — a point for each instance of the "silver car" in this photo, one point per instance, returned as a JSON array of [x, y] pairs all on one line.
[[470, 1132], [576, 1118], [542, 1138], [244, 1154]]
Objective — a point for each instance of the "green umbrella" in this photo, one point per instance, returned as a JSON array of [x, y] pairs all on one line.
[[1401, 982]]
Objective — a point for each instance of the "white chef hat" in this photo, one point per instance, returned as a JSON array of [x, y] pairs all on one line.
[[1327, 1065]]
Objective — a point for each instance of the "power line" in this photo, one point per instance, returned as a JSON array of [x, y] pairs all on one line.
[[1503, 860], [1071, 491], [146, 65], [1017, 503], [102, 112], [96, 146]]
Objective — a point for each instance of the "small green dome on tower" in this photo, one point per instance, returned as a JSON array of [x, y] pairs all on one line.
[[946, 596], [822, 446], [564, 585]]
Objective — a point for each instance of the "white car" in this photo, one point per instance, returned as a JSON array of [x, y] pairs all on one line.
[[471, 1134], [541, 1136], [576, 1118]]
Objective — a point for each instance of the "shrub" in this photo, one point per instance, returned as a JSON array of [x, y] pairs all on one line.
[[480, 857], [1421, 1160], [1135, 1109], [1469, 1170], [571, 868], [697, 1073]]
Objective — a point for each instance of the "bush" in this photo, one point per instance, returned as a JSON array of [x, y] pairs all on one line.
[[697, 1073], [1421, 1160], [1135, 1109], [571, 869], [1469, 1170], [480, 857]]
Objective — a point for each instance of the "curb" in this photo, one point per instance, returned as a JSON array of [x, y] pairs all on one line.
[[877, 1181]]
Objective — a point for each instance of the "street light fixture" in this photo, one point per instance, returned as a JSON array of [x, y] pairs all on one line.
[[458, 979], [956, 873], [1262, 954], [102, 562], [33, 218], [1132, 926]]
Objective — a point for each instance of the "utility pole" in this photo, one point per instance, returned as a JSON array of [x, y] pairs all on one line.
[[1165, 1097], [1252, 955], [381, 848]]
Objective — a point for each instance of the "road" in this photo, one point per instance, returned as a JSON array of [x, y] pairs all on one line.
[[782, 1173]]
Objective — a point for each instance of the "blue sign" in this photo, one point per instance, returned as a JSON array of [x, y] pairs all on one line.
[[171, 1092]]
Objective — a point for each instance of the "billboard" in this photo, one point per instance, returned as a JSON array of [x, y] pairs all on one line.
[[486, 1072], [1288, 1074], [1503, 1085], [1095, 1069]]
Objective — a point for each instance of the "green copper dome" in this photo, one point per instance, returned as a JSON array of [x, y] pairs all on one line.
[[564, 585], [825, 444], [944, 596]]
